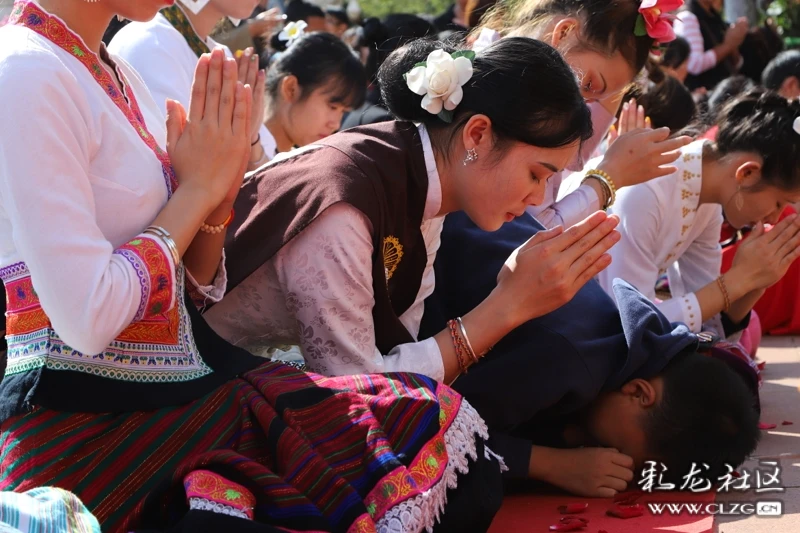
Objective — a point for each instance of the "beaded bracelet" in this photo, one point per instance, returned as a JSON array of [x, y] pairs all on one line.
[[166, 238], [460, 347], [219, 228], [604, 178]]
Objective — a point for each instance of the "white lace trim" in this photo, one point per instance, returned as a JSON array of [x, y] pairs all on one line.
[[422, 512], [201, 504]]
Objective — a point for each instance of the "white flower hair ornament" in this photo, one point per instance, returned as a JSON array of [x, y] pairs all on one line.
[[440, 80], [797, 125], [292, 32]]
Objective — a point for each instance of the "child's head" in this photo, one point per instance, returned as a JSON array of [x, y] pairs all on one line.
[[336, 21], [698, 410], [521, 118], [758, 141], [783, 74], [596, 37], [667, 102], [312, 84], [314, 16], [675, 59]]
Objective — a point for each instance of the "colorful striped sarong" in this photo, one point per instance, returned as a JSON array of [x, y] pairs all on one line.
[[356, 453]]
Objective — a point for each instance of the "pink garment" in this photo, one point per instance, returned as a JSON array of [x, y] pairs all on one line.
[[751, 336]]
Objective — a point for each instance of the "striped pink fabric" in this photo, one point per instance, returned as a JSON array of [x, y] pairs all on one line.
[[688, 27]]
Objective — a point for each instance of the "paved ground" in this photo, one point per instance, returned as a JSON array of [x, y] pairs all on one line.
[[780, 399]]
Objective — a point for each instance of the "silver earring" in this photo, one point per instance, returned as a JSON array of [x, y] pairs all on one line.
[[472, 155]]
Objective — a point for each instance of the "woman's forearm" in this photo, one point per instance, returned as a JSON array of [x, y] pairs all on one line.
[[486, 325], [203, 255]]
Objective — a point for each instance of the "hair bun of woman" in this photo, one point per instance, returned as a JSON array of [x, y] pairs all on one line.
[[398, 98]]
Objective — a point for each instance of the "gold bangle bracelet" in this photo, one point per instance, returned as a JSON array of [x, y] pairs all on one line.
[[603, 176]]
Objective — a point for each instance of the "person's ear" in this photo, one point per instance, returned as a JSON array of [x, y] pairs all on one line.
[[477, 135], [290, 89], [790, 88], [641, 391], [562, 30], [748, 173]]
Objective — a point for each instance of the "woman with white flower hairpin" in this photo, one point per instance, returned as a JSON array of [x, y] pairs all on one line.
[[332, 246], [164, 51]]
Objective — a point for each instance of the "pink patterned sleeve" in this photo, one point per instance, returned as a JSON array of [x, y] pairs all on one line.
[[326, 277]]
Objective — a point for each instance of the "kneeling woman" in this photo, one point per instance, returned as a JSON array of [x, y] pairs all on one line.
[[116, 390], [672, 224], [333, 246]]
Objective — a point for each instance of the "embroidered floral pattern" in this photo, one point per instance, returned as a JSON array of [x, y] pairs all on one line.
[[211, 492], [159, 349], [154, 270]]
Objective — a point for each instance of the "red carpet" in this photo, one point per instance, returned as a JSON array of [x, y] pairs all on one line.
[[537, 512]]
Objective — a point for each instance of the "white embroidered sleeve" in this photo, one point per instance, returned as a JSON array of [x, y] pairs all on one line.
[[700, 265], [89, 290], [634, 256], [326, 276]]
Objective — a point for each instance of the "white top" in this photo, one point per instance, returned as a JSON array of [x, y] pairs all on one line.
[[666, 230], [69, 166], [166, 63], [317, 292]]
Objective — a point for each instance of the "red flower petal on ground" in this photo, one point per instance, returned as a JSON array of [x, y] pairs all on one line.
[[628, 498], [764, 425], [787, 423], [573, 508], [626, 511]]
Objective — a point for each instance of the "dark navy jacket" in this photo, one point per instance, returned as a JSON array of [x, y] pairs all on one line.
[[550, 367]]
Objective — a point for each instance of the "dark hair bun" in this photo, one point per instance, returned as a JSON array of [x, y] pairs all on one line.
[[762, 122], [524, 86], [396, 95]]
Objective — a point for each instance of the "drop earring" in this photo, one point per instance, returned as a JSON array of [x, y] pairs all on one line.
[[739, 199], [472, 155]]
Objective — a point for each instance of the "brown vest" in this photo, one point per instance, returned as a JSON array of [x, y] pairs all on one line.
[[378, 169]]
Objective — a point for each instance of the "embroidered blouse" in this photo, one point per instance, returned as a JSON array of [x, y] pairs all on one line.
[[665, 229], [317, 292], [82, 174], [165, 54]]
